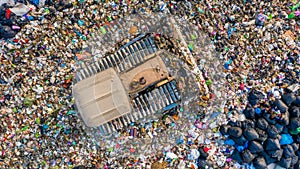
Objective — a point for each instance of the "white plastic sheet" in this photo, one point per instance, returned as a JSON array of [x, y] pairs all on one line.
[[20, 9]]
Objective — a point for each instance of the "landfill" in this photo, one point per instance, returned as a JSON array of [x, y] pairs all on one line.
[[250, 118], [269, 135]]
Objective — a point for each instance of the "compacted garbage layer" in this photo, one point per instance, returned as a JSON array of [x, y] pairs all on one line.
[[258, 42], [270, 133]]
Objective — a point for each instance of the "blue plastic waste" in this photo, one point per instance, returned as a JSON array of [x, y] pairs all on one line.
[[229, 33], [162, 7], [246, 144], [257, 110], [56, 134], [226, 66], [229, 142], [286, 139], [113, 5], [67, 131], [35, 2], [63, 65], [30, 18], [215, 114], [80, 22], [172, 124], [70, 112], [240, 148], [190, 142], [45, 126], [180, 140], [78, 33]]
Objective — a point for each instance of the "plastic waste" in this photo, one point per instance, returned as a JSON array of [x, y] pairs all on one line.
[[180, 140], [288, 151], [288, 98], [25, 128], [235, 131], [7, 14], [9, 2], [295, 6], [250, 134], [236, 155], [295, 132], [194, 154], [247, 156], [240, 148], [20, 9], [224, 129], [255, 147], [259, 163], [272, 144], [80, 22], [257, 110], [285, 162], [28, 101], [272, 131], [171, 155], [229, 142]]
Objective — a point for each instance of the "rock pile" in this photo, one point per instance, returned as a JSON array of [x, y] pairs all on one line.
[[270, 133]]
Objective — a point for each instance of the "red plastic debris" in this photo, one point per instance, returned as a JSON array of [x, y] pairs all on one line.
[[206, 149], [242, 86], [7, 14], [16, 40]]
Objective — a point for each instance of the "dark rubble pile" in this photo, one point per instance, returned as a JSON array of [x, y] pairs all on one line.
[[270, 133]]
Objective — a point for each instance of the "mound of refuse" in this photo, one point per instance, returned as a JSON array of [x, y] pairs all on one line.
[[270, 133]]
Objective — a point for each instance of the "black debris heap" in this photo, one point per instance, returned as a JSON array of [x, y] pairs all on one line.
[[270, 133]]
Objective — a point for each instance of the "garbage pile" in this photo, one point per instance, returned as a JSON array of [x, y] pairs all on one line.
[[258, 42], [10, 22], [15, 14], [270, 133]]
